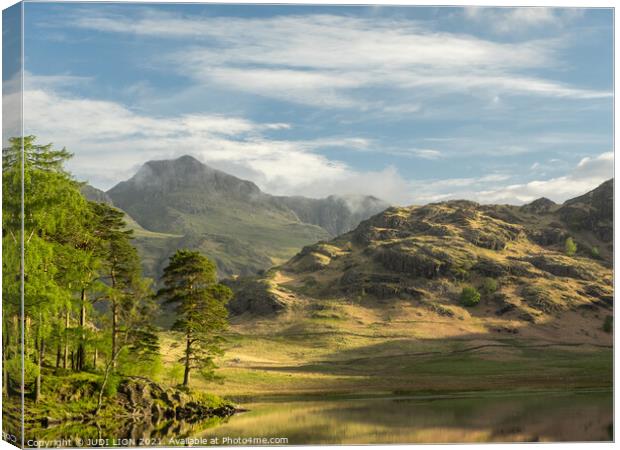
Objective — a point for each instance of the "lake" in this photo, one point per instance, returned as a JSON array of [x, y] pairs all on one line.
[[527, 417], [584, 416]]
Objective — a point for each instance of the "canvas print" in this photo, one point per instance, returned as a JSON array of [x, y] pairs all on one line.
[[232, 224]]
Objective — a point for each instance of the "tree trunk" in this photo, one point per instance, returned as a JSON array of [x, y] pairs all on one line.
[[58, 355], [95, 359], [81, 351], [65, 351], [106, 375], [37, 386], [188, 349], [114, 330]]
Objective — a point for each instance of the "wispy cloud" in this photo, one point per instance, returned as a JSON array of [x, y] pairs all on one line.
[[427, 153], [331, 61], [521, 20]]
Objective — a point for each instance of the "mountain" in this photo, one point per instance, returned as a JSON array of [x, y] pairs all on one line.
[[189, 204], [424, 255], [381, 309], [95, 195], [336, 214]]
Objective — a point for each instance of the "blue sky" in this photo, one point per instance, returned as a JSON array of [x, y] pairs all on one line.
[[411, 104]]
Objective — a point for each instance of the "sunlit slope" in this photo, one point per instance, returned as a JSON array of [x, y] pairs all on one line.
[[380, 308]]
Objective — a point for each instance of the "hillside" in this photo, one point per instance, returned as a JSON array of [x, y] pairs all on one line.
[[188, 204], [380, 306]]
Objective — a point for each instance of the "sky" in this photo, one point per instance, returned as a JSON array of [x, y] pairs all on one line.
[[410, 104]]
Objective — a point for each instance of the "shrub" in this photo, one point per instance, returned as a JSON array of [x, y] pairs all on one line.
[[594, 251], [470, 296], [608, 324], [570, 247], [489, 286]]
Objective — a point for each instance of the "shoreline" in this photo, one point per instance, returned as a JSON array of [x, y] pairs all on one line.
[[412, 395]]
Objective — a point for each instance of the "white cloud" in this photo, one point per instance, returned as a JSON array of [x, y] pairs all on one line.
[[112, 141], [521, 19], [427, 153], [332, 61], [588, 174]]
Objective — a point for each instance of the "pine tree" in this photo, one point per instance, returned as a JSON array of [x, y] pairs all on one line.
[[190, 282], [121, 264]]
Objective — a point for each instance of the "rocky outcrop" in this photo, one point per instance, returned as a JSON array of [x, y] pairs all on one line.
[[592, 211], [561, 267], [253, 296], [141, 397], [539, 206], [547, 236]]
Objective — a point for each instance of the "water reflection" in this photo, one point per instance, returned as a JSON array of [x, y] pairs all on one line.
[[532, 417], [541, 417]]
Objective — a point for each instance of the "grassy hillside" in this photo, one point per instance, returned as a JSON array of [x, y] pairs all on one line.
[[380, 309]]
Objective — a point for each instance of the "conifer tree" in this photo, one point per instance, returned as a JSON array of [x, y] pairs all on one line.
[[190, 283]]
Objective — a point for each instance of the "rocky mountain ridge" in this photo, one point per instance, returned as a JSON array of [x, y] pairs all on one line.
[[515, 257]]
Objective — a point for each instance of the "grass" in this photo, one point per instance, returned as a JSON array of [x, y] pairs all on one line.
[[344, 349]]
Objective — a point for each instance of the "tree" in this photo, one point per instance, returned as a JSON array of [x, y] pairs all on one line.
[[570, 247], [120, 261], [53, 211], [190, 282], [470, 296]]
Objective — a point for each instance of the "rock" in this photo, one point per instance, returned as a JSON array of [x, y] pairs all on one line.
[[144, 398], [538, 299], [592, 211], [547, 236], [491, 268], [415, 262], [253, 296], [560, 267], [539, 206]]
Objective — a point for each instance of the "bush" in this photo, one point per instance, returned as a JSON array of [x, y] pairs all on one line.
[[608, 324], [594, 251], [470, 296], [489, 286], [570, 247]]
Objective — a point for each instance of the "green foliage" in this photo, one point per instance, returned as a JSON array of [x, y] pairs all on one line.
[[470, 296], [111, 386], [570, 247], [190, 283], [14, 370], [489, 286], [76, 252], [595, 252], [608, 324]]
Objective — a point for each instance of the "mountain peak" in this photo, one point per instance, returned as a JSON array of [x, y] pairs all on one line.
[[542, 204], [185, 162]]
